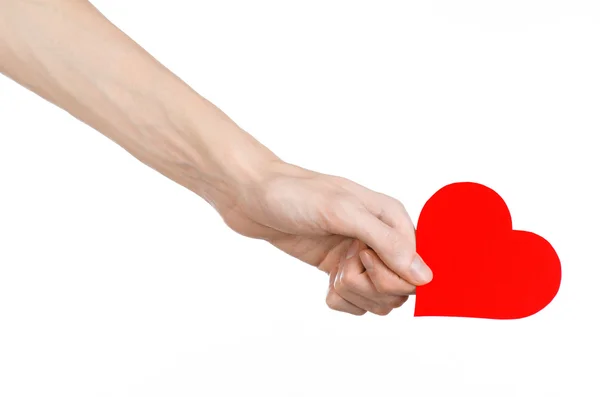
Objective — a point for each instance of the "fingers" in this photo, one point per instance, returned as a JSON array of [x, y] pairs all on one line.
[[336, 302], [385, 281], [354, 277], [352, 284], [394, 244]]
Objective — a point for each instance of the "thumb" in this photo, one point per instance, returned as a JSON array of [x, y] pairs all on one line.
[[394, 245]]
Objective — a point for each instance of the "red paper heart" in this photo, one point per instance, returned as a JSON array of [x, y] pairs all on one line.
[[481, 267]]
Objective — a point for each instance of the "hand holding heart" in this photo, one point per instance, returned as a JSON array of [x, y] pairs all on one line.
[[483, 268], [316, 218], [366, 242], [363, 283]]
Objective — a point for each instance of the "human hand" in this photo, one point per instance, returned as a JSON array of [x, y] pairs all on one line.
[[165, 124], [160, 120], [352, 288], [316, 218]]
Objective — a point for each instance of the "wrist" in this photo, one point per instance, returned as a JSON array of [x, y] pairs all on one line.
[[230, 163], [243, 165]]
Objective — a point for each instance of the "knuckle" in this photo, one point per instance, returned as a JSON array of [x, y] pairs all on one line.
[[349, 281], [392, 202], [399, 302], [332, 301], [340, 180], [400, 205]]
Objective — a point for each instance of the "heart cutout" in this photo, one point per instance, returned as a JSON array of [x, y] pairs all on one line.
[[481, 267]]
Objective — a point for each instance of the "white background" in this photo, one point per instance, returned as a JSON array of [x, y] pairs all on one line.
[[114, 281]]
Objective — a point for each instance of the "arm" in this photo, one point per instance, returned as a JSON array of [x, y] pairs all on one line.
[[68, 53]]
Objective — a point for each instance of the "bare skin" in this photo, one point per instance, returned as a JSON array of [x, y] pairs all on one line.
[[67, 52]]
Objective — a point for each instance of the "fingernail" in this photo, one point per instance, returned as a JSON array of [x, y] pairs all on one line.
[[352, 250], [420, 271], [366, 260]]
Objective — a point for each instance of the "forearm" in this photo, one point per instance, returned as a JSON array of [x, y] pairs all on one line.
[[68, 53]]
